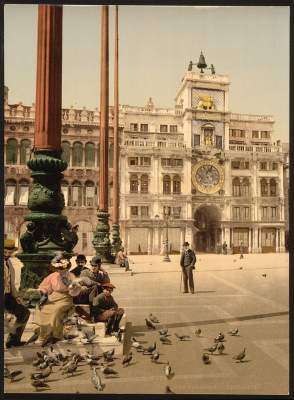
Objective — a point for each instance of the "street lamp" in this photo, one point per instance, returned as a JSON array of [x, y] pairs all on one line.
[[166, 216]]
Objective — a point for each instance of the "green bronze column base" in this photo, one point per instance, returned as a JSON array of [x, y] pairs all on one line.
[[101, 241], [48, 231], [116, 240]]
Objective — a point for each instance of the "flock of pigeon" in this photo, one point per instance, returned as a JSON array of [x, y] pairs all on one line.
[[101, 365]]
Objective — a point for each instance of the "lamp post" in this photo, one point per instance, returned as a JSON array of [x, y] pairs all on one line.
[[166, 216], [157, 224]]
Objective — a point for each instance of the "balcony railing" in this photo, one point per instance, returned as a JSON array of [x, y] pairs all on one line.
[[256, 149], [154, 144]]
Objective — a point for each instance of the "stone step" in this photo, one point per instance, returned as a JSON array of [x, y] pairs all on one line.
[[101, 343]]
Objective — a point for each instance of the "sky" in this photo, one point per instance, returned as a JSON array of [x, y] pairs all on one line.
[[156, 43]]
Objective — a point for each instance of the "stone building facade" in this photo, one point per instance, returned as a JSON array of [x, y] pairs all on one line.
[[196, 172]]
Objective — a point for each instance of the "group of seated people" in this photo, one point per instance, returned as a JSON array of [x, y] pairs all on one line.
[[66, 287]]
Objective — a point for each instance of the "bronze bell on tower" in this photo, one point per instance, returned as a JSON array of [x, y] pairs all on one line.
[[201, 63]]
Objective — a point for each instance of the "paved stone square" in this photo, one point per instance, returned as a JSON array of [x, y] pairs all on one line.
[[226, 297]]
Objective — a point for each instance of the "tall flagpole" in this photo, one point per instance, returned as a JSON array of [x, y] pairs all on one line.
[[101, 239], [116, 240]]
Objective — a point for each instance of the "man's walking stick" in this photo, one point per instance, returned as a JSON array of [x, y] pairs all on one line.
[[181, 281]]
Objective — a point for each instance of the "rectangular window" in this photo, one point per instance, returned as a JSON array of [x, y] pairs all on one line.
[[265, 134], [264, 212], [146, 161], [144, 127], [236, 213], [134, 211], [64, 190], [177, 212], [173, 128], [163, 128], [235, 164], [246, 213], [274, 166], [242, 133], [274, 212], [244, 164], [75, 195], [178, 162], [164, 162], [144, 211], [90, 190], [218, 142], [263, 166], [133, 160], [23, 195], [10, 195], [134, 127], [196, 140], [255, 134]]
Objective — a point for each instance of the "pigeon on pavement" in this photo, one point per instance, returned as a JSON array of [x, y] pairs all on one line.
[[11, 374], [153, 319], [220, 337], [127, 359], [149, 324], [96, 380], [42, 375], [205, 358], [182, 337], [234, 332], [163, 332], [168, 370], [164, 340], [212, 348], [168, 390], [108, 371], [198, 332], [220, 348], [39, 384], [150, 349], [154, 356], [264, 275], [239, 357]]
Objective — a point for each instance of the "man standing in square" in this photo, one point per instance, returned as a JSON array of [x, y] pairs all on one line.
[[188, 260], [12, 302]]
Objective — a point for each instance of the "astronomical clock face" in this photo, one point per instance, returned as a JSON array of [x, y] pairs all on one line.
[[207, 177]]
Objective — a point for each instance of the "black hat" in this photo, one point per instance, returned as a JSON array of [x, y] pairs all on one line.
[[186, 244], [95, 260], [81, 257]]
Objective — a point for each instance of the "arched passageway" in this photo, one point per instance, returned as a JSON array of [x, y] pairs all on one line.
[[207, 237]]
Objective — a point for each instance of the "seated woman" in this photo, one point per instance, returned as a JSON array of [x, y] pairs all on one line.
[[57, 290], [105, 309], [122, 259]]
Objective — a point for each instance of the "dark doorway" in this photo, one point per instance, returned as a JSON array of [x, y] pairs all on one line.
[[208, 236]]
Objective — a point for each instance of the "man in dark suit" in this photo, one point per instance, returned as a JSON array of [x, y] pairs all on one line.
[[188, 260]]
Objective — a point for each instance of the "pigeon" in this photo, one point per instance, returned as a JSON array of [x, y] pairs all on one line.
[[167, 370], [153, 319], [168, 390], [239, 357], [39, 384], [149, 324], [92, 362], [137, 346], [154, 356], [109, 353], [42, 375], [92, 356], [118, 335], [33, 338], [89, 336], [182, 337], [198, 332], [150, 349], [234, 332], [264, 275], [212, 348], [108, 371], [164, 340], [241, 268], [69, 336], [71, 368], [43, 365], [220, 348], [96, 380], [11, 374], [127, 359], [220, 337], [36, 362], [205, 358], [163, 332]]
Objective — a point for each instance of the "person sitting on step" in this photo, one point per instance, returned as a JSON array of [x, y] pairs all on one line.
[[105, 309], [81, 262], [122, 259]]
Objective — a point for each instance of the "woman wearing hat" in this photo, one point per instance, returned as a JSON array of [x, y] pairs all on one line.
[[105, 309], [57, 290], [12, 302]]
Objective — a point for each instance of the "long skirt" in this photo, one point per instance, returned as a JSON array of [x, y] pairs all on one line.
[[50, 317]]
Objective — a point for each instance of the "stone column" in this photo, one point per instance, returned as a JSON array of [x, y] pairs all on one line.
[[277, 240], [116, 240], [48, 230], [149, 242], [254, 244], [249, 240], [101, 240]]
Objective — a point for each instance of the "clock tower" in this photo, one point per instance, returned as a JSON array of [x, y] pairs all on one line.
[[203, 95]]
